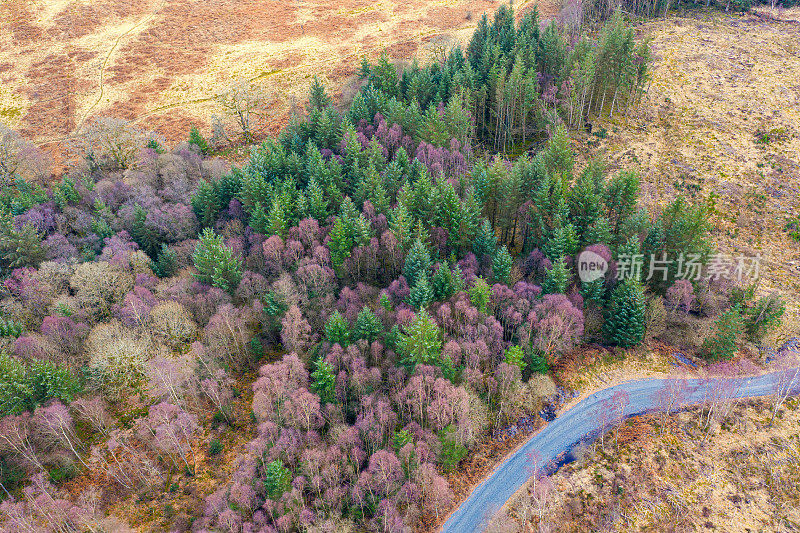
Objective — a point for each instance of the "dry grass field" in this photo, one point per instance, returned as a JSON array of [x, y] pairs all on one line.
[[721, 121], [735, 475], [160, 63]]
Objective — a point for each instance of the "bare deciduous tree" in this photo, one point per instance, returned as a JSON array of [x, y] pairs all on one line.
[[786, 381], [110, 143], [243, 103], [20, 158], [671, 397]]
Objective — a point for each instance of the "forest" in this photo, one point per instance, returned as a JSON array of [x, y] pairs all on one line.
[[379, 285]]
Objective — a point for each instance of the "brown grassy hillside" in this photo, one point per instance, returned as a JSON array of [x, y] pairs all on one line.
[[162, 62], [722, 121]]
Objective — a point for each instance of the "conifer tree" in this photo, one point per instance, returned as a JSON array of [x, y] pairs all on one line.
[[277, 223], [501, 265], [421, 342], [277, 479], [367, 325], [206, 203], [316, 203], [349, 230], [417, 263], [166, 262], [259, 219], [479, 295], [147, 238], [625, 315], [485, 241], [728, 328], [400, 224], [337, 329], [557, 278], [216, 264], [421, 293], [323, 381], [443, 287], [515, 356], [317, 97]]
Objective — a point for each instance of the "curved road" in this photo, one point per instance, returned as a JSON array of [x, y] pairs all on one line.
[[585, 420]]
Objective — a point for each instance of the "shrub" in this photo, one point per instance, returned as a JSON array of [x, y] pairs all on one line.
[[680, 295], [215, 447], [452, 450], [625, 317], [721, 344], [196, 139], [10, 328], [655, 317], [216, 264]]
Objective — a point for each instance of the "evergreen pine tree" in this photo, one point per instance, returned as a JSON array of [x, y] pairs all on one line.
[[206, 203], [317, 97], [277, 479], [479, 295], [501, 265], [276, 220], [557, 278], [337, 329], [421, 342], [599, 232], [486, 240], [323, 382], [442, 283], [216, 263], [147, 238], [625, 315], [515, 356], [458, 279], [316, 204], [417, 263], [166, 262], [367, 326], [259, 219], [721, 345], [421, 293]]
